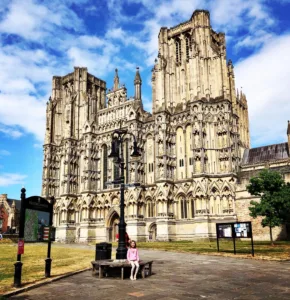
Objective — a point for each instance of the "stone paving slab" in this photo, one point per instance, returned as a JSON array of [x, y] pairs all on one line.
[[179, 276]]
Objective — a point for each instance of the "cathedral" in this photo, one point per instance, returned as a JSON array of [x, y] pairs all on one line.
[[195, 157]]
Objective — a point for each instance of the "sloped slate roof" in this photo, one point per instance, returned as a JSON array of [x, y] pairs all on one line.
[[17, 203], [266, 153]]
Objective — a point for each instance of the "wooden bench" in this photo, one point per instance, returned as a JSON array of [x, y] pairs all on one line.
[[105, 265]]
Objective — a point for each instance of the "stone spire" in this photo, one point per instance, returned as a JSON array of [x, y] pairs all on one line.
[[137, 83], [288, 135], [116, 80]]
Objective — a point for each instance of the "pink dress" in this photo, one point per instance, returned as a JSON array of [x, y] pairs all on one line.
[[132, 254]]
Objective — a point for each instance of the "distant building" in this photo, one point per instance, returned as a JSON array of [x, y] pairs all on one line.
[[195, 160], [9, 214]]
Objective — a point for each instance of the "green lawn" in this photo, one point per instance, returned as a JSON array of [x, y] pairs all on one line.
[[64, 260]]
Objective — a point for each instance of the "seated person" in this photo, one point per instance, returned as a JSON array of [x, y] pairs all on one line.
[[127, 239]]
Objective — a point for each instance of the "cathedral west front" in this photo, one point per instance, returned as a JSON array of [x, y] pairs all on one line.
[[195, 146]]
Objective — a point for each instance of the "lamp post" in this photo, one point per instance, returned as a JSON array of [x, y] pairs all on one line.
[[117, 153]]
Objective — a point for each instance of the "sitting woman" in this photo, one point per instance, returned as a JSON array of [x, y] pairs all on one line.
[[127, 239], [133, 258]]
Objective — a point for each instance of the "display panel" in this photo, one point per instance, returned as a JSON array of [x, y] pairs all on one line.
[[242, 230], [35, 221], [225, 231]]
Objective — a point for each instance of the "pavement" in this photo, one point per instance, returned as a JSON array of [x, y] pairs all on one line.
[[178, 276]]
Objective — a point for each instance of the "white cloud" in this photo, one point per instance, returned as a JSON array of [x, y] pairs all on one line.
[[263, 76], [35, 21], [4, 153], [24, 111], [37, 146], [7, 179], [9, 131]]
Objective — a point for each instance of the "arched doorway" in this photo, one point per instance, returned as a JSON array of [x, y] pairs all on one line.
[[152, 232], [113, 227]]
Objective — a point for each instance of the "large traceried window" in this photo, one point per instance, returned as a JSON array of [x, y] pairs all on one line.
[[192, 208], [183, 208], [105, 166], [126, 156], [187, 46], [150, 209], [178, 50], [116, 172]]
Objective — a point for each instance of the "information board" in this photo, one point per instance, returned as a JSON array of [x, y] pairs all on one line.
[[35, 223], [38, 216], [242, 230], [234, 230], [225, 231]]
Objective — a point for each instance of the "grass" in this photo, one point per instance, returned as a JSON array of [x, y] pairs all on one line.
[[64, 260], [263, 250]]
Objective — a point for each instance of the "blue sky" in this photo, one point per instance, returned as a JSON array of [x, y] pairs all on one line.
[[42, 38]]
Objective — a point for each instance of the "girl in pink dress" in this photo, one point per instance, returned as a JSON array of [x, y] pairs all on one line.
[[133, 258]]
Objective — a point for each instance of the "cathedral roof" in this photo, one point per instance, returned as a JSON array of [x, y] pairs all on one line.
[[17, 203], [137, 76], [265, 153]]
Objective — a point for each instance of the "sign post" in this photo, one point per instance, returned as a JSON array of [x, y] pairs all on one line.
[[18, 264]]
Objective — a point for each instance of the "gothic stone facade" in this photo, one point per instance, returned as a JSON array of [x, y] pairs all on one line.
[[9, 214], [192, 144]]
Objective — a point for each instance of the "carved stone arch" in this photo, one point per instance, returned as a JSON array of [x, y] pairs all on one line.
[[188, 123], [214, 188], [148, 198], [180, 195], [209, 117], [227, 189], [152, 231], [199, 190], [110, 214], [115, 201]]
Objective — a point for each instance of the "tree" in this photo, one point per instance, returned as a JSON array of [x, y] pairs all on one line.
[[274, 204]]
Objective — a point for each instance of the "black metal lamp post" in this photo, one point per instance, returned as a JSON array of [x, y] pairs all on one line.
[[117, 154]]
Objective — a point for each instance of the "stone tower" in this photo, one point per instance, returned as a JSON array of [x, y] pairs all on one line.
[[71, 112], [191, 144]]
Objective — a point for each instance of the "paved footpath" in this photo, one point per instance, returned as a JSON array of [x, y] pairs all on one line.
[[179, 276]]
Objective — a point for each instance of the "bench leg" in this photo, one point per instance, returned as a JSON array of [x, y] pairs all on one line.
[[122, 273], [143, 272], [100, 272]]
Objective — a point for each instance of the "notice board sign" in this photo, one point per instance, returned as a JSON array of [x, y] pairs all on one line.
[[243, 230], [234, 230], [38, 217], [225, 230]]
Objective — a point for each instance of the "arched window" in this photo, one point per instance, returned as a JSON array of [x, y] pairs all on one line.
[[188, 46], [116, 173], [126, 156], [178, 50], [183, 208], [192, 208], [105, 166]]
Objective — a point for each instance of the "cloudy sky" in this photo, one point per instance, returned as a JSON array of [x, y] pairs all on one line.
[[42, 38]]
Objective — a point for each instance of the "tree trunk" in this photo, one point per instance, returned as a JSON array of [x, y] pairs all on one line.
[[271, 236]]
